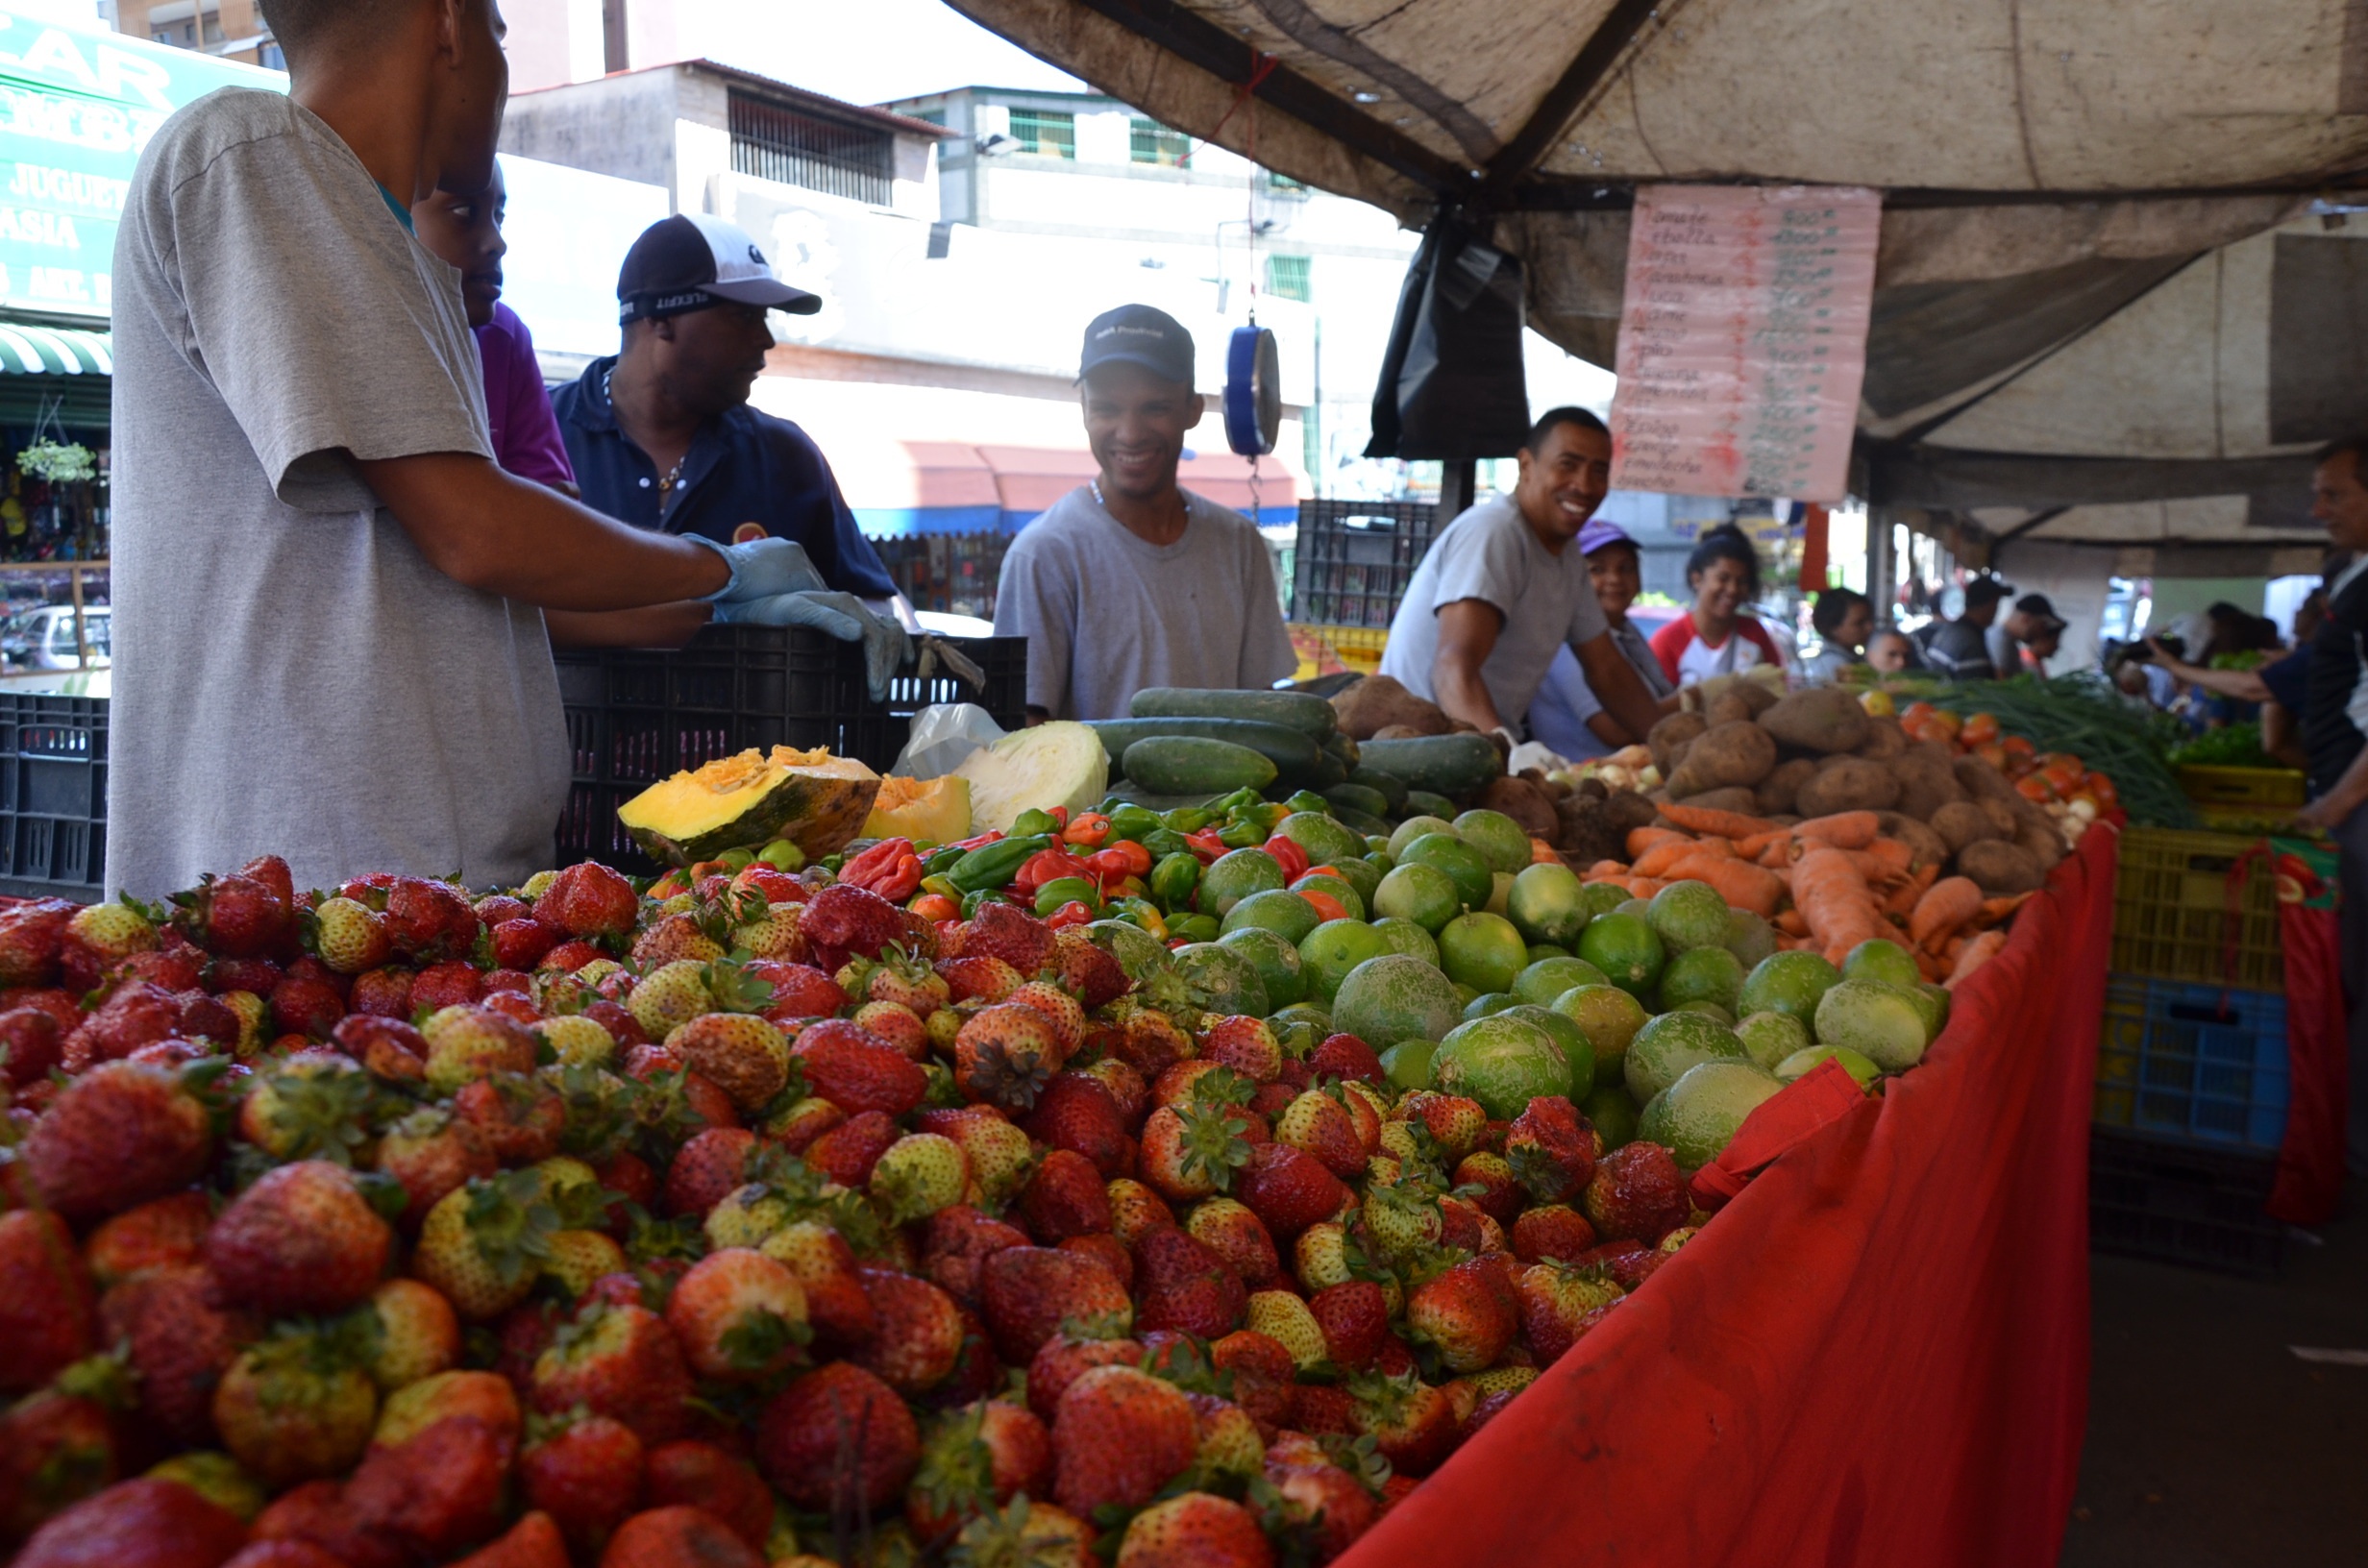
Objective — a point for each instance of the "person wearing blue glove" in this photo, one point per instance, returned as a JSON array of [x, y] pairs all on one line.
[[793, 595]]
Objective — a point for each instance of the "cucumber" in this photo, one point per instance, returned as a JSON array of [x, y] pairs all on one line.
[[1448, 765], [1342, 746], [1392, 787], [1357, 798], [1311, 716], [1328, 771], [1358, 822], [1188, 765], [1423, 804], [1296, 759], [1135, 794]]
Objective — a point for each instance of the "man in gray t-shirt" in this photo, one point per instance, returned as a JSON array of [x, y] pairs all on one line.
[[1501, 589], [328, 639], [1134, 581]]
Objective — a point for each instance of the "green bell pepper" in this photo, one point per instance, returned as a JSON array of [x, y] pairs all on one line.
[[1067, 889], [1174, 879], [990, 865]]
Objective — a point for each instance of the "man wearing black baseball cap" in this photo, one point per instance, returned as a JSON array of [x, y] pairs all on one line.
[[662, 436], [2032, 623], [1133, 580]]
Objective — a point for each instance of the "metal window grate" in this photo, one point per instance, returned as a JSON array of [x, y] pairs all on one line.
[[774, 142], [1287, 277], [1152, 142], [1045, 133]]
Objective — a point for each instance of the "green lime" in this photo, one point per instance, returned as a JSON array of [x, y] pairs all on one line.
[[1324, 837], [1487, 1004], [1466, 995], [1787, 983], [1613, 1112], [1699, 1115], [1141, 954], [1499, 839], [1749, 938], [1301, 1015], [1482, 950], [1611, 1019], [1381, 860], [1702, 974], [1502, 1062], [1233, 878], [1548, 903], [1671, 1043], [1278, 959], [1940, 997], [1625, 949], [1576, 1048], [1408, 1064], [1393, 997], [1801, 1063], [1408, 938], [1274, 910], [1475, 883], [1540, 950], [1222, 980], [1549, 978], [1687, 915], [1359, 874], [1421, 893], [1415, 827], [1327, 953], [1881, 1022], [1770, 1037], [1500, 892], [1351, 901], [1876, 959], [1603, 897], [1709, 1010]]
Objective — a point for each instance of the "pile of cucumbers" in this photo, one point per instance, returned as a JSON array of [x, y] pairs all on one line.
[[1182, 745]]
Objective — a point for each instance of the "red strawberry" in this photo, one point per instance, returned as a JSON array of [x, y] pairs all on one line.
[[799, 990], [1316, 1123], [919, 1335], [1183, 1285], [1551, 1231], [384, 992], [588, 900], [522, 1120], [621, 1363], [848, 1152], [1199, 1530], [319, 1514], [258, 975], [1196, 1149], [1029, 1293], [439, 1490], [532, 1542], [1629, 1262], [236, 917], [959, 1241], [449, 983], [169, 1231], [841, 922], [1412, 1424], [585, 1476], [1060, 1009], [1464, 1316], [1325, 1410], [1005, 1055], [58, 1446], [998, 930], [121, 1134], [679, 1537], [1289, 1190], [429, 921], [299, 1240], [974, 1458], [180, 1340], [1334, 1504], [285, 1555], [1119, 1435], [139, 1523], [707, 1170], [696, 1474], [1064, 1197], [1263, 1375], [1076, 1112], [1638, 1193], [273, 872], [305, 1005], [1135, 1208], [1130, 1088], [433, 1153], [1551, 1150], [1090, 972], [1235, 1234], [826, 1269], [47, 1319], [32, 936], [1062, 1360], [979, 977], [522, 941], [1559, 1304], [1461, 1224], [736, 1315], [29, 1045], [136, 1015], [838, 1438], [856, 1071], [1108, 1251], [1244, 1044], [1455, 1122], [1501, 1195], [1355, 1319]]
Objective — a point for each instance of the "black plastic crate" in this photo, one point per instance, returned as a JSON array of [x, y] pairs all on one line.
[[2175, 1202], [636, 715], [1354, 559], [53, 795]]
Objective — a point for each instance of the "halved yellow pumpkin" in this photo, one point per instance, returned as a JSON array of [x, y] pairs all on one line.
[[924, 810], [812, 798]]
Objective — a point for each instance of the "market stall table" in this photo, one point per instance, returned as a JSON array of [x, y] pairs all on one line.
[[1877, 1355]]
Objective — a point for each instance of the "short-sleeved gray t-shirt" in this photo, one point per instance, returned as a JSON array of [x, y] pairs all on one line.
[[292, 675], [1106, 613], [1490, 554]]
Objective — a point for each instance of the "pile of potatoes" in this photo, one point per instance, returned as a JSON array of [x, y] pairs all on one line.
[[1817, 751]]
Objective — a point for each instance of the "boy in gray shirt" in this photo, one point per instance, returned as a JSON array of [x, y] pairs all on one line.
[[1134, 581], [328, 636]]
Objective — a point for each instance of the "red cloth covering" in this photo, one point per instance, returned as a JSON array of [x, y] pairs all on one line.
[[1877, 1355], [2309, 1182]]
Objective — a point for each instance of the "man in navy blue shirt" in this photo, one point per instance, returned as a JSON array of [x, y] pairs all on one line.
[[662, 436]]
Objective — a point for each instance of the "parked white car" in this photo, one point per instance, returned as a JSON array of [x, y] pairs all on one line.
[[42, 638]]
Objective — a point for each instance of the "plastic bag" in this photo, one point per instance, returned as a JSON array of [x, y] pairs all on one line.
[[944, 735]]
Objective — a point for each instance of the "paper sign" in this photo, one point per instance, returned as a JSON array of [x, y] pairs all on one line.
[[1742, 339]]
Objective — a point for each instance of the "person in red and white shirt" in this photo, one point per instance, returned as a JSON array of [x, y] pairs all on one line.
[[1718, 636]]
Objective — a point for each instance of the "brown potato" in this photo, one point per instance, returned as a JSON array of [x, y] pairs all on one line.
[[1529, 804], [1923, 795], [1962, 822], [1667, 737], [1980, 780], [1378, 702], [2001, 869], [2044, 844], [1926, 845], [1777, 791], [1732, 797], [1824, 719], [1737, 752], [1885, 740], [1850, 784]]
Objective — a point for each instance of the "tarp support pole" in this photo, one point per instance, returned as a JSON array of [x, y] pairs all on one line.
[[1457, 480], [1882, 570]]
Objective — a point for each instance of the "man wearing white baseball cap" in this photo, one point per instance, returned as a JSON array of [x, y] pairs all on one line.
[[662, 436]]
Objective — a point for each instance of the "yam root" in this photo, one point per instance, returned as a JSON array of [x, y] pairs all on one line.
[[1823, 719], [2000, 867], [1852, 784], [1529, 804], [1736, 753], [1777, 792], [1378, 702]]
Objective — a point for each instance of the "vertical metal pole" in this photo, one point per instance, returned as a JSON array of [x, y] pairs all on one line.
[[1457, 483], [81, 644], [1882, 570]]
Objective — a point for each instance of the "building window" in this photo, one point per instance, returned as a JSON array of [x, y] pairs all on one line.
[[1287, 277], [772, 141], [1045, 133], [1154, 143], [1280, 184]]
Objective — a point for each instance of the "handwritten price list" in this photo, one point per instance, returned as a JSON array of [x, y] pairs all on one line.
[[1742, 339]]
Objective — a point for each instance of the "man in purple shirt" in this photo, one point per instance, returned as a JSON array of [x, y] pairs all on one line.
[[465, 231]]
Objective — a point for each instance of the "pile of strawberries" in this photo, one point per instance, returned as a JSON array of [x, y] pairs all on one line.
[[768, 1224]]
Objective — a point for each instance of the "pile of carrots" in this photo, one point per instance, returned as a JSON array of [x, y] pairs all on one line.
[[1826, 884]]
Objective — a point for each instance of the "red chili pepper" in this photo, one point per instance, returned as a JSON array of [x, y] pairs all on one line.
[[935, 907], [1087, 831], [1113, 866], [1207, 846], [1292, 858], [1060, 814], [1047, 865], [1325, 905], [890, 868], [1071, 913], [983, 839]]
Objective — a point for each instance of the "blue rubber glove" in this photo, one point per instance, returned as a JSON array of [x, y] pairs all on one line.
[[762, 568], [885, 645]]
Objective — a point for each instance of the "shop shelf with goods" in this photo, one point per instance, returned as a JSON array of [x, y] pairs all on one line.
[[638, 716], [2176, 916], [950, 574], [1354, 559], [1331, 651]]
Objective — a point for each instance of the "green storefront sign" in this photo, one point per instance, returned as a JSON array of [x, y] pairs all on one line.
[[76, 109]]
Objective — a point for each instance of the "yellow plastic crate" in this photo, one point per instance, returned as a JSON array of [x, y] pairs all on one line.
[[1327, 651], [2214, 786], [2171, 911]]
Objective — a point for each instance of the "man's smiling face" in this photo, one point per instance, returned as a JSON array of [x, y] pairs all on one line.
[[1564, 481]]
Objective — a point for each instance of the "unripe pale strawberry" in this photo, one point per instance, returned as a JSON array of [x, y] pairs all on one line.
[[112, 932], [771, 935], [1060, 1009], [1285, 1319], [897, 1024], [743, 1055], [351, 936], [578, 1257], [578, 1041], [418, 1334], [250, 1010], [482, 1244], [747, 1215], [466, 1042], [999, 1154], [669, 996], [919, 1174]]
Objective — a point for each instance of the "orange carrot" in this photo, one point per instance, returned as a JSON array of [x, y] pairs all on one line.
[[1777, 855], [1644, 887], [1641, 839], [1842, 830], [1903, 899], [1946, 905], [1832, 895], [1978, 952], [1994, 911], [1656, 861], [1753, 847], [1739, 883], [1793, 923], [1726, 824], [1608, 867]]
